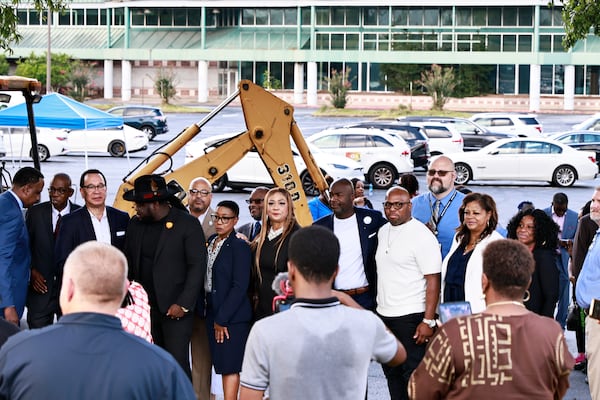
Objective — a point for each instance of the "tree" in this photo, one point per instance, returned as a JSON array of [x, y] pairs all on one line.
[[339, 84], [34, 66], [81, 76], [474, 80], [8, 15], [269, 81], [579, 16], [398, 77], [3, 65], [164, 83], [440, 84]]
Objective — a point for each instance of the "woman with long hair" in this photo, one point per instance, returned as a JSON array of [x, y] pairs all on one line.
[[271, 247]]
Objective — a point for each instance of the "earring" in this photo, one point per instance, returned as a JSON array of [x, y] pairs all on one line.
[[527, 296]]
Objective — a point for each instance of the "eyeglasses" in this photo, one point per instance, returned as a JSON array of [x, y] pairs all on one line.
[[201, 193], [57, 190], [255, 201], [397, 205], [91, 188], [221, 219], [440, 172]]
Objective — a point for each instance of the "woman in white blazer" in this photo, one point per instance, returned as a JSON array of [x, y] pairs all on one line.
[[463, 266]]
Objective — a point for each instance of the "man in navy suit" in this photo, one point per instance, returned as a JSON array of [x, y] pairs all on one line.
[[567, 221], [42, 222], [351, 225], [15, 257], [94, 221]]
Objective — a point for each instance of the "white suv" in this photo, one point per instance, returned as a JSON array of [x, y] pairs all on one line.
[[443, 137], [514, 123], [383, 154]]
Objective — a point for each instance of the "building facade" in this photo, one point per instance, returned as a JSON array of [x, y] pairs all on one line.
[[211, 45]]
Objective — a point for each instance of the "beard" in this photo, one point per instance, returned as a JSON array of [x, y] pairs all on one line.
[[436, 186]]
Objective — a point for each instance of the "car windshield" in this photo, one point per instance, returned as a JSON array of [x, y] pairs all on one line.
[[529, 120]]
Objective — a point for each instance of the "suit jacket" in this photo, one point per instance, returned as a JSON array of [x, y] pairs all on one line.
[[179, 261], [230, 280], [15, 256], [208, 226], [369, 221], [76, 228], [568, 232], [247, 228]]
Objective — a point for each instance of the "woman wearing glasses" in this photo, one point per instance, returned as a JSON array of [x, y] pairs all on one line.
[[462, 267], [228, 310], [271, 247]]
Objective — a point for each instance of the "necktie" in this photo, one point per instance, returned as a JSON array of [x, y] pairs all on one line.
[[435, 213], [57, 226], [255, 230]]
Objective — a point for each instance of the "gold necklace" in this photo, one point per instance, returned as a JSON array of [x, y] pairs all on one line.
[[505, 303]]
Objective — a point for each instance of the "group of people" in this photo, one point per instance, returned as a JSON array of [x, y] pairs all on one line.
[[367, 285]]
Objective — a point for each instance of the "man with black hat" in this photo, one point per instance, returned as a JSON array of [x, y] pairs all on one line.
[[167, 254]]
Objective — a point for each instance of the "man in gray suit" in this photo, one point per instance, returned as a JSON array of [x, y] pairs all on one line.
[[200, 197], [255, 206]]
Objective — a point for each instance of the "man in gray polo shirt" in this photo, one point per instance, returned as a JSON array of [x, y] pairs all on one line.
[[319, 349]]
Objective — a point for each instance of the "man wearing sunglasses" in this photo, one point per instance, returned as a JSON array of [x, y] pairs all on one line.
[[255, 206], [43, 221], [438, 209]]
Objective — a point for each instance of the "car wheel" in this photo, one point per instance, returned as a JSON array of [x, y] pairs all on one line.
[[149, 131], [564, 176], [463, 173], [219, 184], [382, 176], [310, 189], [43, 152], [116, 148]]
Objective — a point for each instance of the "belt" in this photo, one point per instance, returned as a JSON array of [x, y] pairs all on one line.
[[357, 291]]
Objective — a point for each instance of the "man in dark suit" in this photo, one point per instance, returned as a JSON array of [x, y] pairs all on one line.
[[94, 221], [43, 221], [167, 254], [255, 206], [351, 225], [15, 256]]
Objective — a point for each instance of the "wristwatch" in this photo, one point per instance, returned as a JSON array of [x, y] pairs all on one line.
[[430, 322]]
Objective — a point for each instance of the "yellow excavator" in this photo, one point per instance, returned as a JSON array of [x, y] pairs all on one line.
[[270, 125]]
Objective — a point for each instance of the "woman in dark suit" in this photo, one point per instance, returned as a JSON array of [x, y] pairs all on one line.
[[536, 230], [228, 311]]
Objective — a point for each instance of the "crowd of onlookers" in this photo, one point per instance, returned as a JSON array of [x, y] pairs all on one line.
[[117, 306]]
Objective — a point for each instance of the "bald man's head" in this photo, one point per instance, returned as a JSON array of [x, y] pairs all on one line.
[[94, 279]]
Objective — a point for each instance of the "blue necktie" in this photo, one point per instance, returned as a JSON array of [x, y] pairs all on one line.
[[255, 230]]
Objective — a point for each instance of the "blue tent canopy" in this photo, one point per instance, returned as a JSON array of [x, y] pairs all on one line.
[[60, 112]]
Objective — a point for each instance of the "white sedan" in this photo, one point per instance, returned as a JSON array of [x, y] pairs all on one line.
[[116, 141], [17, 142], [525, 159], [251, 172]]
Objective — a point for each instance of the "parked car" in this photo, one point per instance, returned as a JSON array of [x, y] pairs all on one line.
[[413, 135], [525, 159], [581, 140], [116, 141], [251, 172], [474, 136], [16, 142], [443, 138], [383, 154], [514, 123], [590, 124], [149, 120]]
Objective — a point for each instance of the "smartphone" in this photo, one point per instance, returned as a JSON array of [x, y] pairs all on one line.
[[594, 311], [455, 309]]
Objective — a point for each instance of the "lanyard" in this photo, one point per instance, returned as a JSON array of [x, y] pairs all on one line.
[[443, 210]]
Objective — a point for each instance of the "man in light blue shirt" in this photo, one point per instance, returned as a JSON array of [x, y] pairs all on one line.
[[587, 288], [438, 209]]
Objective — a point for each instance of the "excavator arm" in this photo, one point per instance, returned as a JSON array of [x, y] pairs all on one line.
[[270, 126]]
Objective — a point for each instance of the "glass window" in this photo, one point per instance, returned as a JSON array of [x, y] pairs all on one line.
[[194, 16], [247, 70], [338, 16], [78, 17], [524, 43], [305, 16], [479, 16], [525, 16], [506, 81], [509, 43], [524, 79], [493, 43], [370, 16], [510, 148], [446, 42], [248, 16], [509, 16], [501, 122], [494, 16], [151, 17], [370, 41], [478, 43], [137, 17], [384, 42], [262, 16], [545, 16], [579, 79], [64, 18], [463, 42], [446, 16], [400, 16], [557, 16], [103, 17], [290, 16], [165, 16], [22, 16], [431, 16], [437, 132], [430, 42], [276, 16], [559, 83], [355, 141], [337, 41], [288, 75], [545, 43], [380, 141], [328, 142], [415, 16], [374, 77], [463, 16], [352, 16], [119, 16], [591, 138], [351, 41], [384, 16], [34, 17], [322, 41], [179, 17], [91, 16], [558, 46]]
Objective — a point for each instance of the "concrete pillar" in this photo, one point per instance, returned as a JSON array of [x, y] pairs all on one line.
[[298, 83], [569, 82], [311, 83], [125, 80], [202, 81], [534, 87], [108, 79]]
